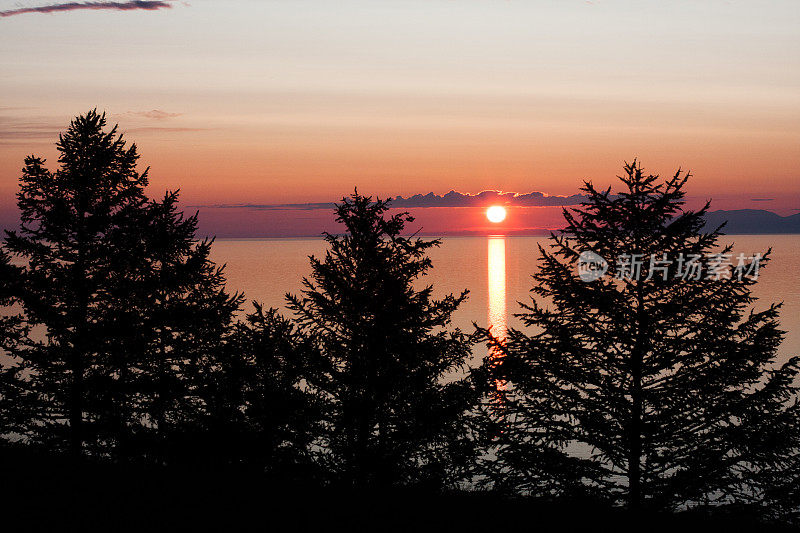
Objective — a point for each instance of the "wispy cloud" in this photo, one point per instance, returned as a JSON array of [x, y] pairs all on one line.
[[15, 130], [155, 114], [163, 128], [132, 5]]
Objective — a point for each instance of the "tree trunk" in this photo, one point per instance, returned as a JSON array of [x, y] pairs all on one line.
[[76, 404], [635, 425], [635, 440], [79, 344]]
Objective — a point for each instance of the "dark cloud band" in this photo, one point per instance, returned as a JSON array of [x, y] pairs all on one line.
[[451, 199], [72, 6]]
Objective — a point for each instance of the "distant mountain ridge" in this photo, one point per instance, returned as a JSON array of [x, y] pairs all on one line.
[[752, 221]]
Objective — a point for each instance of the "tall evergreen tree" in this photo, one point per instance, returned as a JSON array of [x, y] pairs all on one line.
[[655, 385], [170, 305], [69, 218], [389, 377], [133, 309]]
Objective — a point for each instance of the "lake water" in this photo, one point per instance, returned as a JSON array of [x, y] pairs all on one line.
[[497, 271]]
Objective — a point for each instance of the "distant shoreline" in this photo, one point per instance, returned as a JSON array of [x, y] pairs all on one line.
[[543, 233], [738, 222]]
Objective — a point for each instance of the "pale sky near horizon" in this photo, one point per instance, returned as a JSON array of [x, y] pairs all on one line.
[[293, 101]]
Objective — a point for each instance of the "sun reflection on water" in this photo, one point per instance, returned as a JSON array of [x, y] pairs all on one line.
[[497, 286], [497, 305]]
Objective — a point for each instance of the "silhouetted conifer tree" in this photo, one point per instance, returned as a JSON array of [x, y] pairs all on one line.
[[69, 218], [177, 318], [390, 375], [658, 390], [134, 312]]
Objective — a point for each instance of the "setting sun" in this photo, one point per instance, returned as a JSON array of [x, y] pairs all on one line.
[[496, 213]]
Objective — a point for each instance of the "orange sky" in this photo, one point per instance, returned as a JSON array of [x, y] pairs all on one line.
[[274, 102]]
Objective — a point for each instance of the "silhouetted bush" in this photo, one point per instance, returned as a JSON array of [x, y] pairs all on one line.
[[273, 418]]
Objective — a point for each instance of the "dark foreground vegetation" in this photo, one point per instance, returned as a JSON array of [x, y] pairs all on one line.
[[42, 491], [132, 394]]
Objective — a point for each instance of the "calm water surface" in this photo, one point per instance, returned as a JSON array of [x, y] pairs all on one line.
[[497, 271]]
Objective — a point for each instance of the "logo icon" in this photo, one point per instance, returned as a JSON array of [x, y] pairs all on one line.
[[591, 266]]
